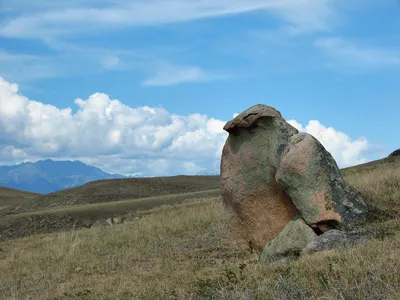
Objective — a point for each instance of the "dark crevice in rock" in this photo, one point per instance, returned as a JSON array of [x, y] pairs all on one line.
[[326, 225], [249, 115], [317, 230], [237, 130]]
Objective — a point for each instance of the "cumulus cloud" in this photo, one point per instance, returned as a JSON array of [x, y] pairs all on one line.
[[158, 142], [141, 141], [346, 151]]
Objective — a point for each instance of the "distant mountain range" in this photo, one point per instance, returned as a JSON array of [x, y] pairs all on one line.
[[48, 176], [209, 172]]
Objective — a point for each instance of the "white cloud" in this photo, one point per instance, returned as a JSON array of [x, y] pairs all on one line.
[[346, 151], [168, 74], [11, 154], [63, 25], [78, 17], [68, 60], [352, 54], [121, 139], [191, 168], [103, 127], [303, 16]]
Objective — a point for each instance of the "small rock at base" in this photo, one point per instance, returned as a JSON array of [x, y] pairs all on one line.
[[116, 220], [99, 223], [333, 239], [290, 242]]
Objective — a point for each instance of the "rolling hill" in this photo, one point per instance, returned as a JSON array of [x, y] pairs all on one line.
[[188, 249], [379, 163], [11, 198], [209, 172], [112, 190], [120, 189]]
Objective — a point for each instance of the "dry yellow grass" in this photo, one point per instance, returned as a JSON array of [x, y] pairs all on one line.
[[187, 252], [380, 186]]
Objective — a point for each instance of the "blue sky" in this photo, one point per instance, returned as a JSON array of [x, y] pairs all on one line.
[[183, 68]]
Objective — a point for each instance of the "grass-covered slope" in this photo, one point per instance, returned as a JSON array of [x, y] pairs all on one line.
[[378, 182], [11, 198], [121, 189], [186, 251], [83, 216], [390, 162]]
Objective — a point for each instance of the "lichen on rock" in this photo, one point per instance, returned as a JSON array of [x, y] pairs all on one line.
[[271, 174]]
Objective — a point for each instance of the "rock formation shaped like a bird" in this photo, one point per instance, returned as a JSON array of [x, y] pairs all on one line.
[[271, 175]]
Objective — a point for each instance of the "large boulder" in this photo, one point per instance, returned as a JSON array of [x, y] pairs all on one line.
[[272, 174]]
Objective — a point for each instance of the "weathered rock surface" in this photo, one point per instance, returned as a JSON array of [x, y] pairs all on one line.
[[334, 239], [99, 223], [290, 242], [108, 222], [395, 153], [272, 174], [116, 220]]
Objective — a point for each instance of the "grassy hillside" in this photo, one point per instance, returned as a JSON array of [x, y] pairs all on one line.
[[84, 216], [378, 182], [133, 188], [186, 251], [81, 207], [390, 162], [119, 189], [10, 198]]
